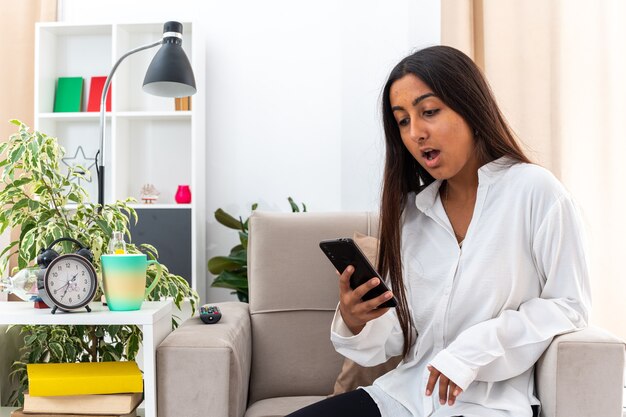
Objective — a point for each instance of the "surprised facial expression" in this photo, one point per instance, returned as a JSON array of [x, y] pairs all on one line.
[[439, 139]]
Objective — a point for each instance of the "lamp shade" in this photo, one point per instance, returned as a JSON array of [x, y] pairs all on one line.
[[170, 73]]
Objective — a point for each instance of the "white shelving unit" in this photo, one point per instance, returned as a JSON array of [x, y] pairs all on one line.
[[147, 141]]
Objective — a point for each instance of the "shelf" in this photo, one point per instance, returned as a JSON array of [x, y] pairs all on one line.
[[155, 115], [73, 116], [148, 115], [160, 206], [146, 206], [147, 140], [78, 29]]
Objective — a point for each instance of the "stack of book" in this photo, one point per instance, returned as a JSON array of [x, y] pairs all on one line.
[[82, 389]]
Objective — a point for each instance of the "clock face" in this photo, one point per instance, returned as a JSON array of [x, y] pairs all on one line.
[[70, 281]]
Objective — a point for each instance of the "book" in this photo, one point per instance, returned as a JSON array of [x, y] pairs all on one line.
[[54, 379], [20, 413], [95, 94], [69, 94], [116, 404], [182, 103]]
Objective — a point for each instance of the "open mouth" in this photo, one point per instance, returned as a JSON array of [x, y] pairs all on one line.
[[430, 154]]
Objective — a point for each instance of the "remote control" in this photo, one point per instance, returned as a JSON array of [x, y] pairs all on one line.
[[210, 314]]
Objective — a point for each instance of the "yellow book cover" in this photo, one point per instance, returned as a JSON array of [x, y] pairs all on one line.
[[54, 379]]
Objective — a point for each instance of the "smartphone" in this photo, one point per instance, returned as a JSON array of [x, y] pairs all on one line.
[[343, 252]]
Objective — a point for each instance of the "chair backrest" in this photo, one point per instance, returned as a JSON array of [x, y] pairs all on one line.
[[293, 295]]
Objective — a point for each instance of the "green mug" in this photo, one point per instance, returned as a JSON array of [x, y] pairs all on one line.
[[124, 280]]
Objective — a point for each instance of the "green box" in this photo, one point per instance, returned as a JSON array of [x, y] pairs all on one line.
[[69, 94]]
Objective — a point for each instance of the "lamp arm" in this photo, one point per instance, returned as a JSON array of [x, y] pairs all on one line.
[[105, 90]]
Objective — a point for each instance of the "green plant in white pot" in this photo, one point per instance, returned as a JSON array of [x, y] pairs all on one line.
[[47, 204]]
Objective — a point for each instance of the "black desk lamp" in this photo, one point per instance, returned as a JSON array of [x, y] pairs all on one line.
[[169, 75]]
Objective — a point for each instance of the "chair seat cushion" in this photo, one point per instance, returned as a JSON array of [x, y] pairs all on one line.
[[280, 406]]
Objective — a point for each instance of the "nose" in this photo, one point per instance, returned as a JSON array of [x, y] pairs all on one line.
[[418, 131]]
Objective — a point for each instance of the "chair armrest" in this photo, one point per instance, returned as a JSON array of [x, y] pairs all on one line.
[[581, 374], [205, 369]]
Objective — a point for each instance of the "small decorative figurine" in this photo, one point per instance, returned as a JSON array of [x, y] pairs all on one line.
[[149, 194]]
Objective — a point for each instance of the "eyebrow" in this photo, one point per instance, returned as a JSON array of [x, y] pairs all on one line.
[[415, 102]]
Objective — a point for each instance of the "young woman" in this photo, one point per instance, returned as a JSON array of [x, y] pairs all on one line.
[[483, 250]]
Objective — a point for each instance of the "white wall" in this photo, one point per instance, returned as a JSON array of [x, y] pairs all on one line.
[[293, 92]]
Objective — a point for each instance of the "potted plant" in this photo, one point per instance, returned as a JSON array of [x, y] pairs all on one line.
[[232, 269], [47, 204]]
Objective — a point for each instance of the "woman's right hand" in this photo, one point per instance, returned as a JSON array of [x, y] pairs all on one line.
[[354, 311]]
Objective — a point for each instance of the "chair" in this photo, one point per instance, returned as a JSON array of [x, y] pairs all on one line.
[[273, 356]]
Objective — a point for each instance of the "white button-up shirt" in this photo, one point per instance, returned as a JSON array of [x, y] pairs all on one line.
[[485, 312]]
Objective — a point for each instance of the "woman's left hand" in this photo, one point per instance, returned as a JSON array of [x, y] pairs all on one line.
[[448, 390]]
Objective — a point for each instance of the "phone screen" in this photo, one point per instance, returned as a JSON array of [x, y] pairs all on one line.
[[343, 252]]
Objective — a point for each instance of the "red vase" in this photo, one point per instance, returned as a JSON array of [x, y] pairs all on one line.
[[183, 195]]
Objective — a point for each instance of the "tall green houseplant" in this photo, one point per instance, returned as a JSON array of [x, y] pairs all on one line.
[[46, 204], [232, 269]]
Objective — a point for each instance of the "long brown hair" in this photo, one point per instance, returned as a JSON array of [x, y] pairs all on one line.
[[459, 83]]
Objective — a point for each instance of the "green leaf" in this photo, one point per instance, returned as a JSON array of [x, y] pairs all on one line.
[[36, 354], [236, 249], [56, 349], [243, 238], [231, 280], [99, 332], [114, 330], [242, 296], [16, 153], [227, 220], [218, 264], [133, 346], [21, 204], [27, 248], [9, 247], [70, 350], [104, 226], [294, 206], [33, 205], [28, 340], [152, 251], [73, 197]]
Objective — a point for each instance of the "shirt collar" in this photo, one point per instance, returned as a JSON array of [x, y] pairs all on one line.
[[487, 174]]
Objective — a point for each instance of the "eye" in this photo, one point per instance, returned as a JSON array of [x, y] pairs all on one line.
[[430, 113], [403, 122]]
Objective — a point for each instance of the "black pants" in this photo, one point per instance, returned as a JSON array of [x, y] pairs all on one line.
[[351, 404]]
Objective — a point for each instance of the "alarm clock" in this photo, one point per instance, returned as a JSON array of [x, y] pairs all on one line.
[[69, 281]]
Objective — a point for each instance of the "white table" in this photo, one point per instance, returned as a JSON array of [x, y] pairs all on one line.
[[155, 319]]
